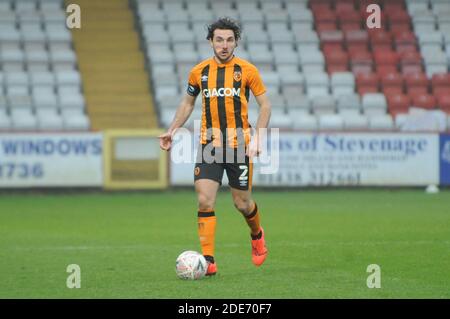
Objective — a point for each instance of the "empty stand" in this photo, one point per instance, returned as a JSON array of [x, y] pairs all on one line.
[[116, 84], [39, 70], [322, 66]]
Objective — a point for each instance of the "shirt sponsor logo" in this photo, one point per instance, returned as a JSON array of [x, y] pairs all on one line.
[[221, 92]]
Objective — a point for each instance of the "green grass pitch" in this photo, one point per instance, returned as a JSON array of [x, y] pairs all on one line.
[[320, 244]]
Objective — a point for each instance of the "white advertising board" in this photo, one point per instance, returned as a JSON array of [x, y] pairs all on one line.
[[51, 160], [343, 159]]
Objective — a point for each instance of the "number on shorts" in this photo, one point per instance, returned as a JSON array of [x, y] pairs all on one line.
[[243, 176]]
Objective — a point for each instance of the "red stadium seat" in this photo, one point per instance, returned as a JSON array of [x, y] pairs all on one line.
[[331, 40], [440, 90], [380, 38], [405, 41], [367, 83], [398, 15], [371, 79], [344, 7], [320, 5], [332, 68], [336, 60], [411, 68], [361, 62], [366, 89], [350, 26], [394, 6], [358, 39], [325, 26], [425, 101], [336, 57], [416, 83], [398, 103], [383, 69], [410, 57], [444, 103], [440, 79], [325, 16], [361, 68], [400, 27], [350, 20], [383, 57], [361, 57], [411, 62], [413, 94], [390, 90], [356, 50], [392, 80]]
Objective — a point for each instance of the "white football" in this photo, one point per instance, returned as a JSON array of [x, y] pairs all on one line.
[[191, 265]]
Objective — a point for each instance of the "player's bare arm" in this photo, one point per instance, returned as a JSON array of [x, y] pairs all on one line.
[[265, 107], [181, 116]]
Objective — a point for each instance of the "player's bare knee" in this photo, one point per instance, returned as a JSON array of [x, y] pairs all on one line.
[[242, 205], [205, 202]]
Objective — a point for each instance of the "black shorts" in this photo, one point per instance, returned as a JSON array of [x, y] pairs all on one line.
[[212, 162]]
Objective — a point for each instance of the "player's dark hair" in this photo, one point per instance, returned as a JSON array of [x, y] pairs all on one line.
[[224, 24]]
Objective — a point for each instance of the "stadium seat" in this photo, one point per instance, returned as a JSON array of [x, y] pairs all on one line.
[[342, 83], [333, 122], [440, 79], [417, 82], [444, 102], [405, 41], [43, 98], [317, 84], [312, 61], [49, 120], [323, 105], [5, 122], [299, 103], [392, 83], [332, 40], [381, 122], [349, 104], [411, 62], [385, 57], [356, 40], [380, 39], [367, 83], [23, 119], [415, 7], [76, 122], [374, 104], [324, 20], [71, 101], [424, 101], [348, 19], [398, 19], [398, 103], [306, 122], [361, 62], [355, 122]]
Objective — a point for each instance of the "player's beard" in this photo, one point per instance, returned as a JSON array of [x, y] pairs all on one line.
[[223, 58]]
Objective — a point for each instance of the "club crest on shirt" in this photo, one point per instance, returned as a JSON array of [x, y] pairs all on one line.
[[237, 76]]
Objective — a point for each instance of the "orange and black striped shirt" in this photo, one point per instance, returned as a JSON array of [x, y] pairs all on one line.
[[225, 90]]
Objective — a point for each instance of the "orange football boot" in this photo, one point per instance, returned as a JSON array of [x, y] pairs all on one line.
[[259, 250], [212, 269]]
